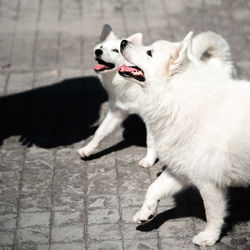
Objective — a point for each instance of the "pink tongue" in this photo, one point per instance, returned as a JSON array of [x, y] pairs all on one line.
[[126, 68], [100, 66]]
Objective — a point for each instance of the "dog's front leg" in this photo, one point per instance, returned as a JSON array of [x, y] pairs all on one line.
[[165, 185], [150, 157], [214, 199], [112, 120]]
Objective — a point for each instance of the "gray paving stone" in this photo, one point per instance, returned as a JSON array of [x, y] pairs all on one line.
[[128, 214], [35, 181], [103, 201], [38, 202], [111, 245], [132, 178], [8, 221], [47, 46], [69, 182], [151, 244], [62, 202], [19, 82], [22, 54], [3, 78], [104, 232], [49, 10], [33, 235], [103, 216], [45, 78], [39, 219], [6, 238], [39, 159], [177, 228], [176, 244], [67, 234], [62, 219], [67, 246], [9, 9], [68, 203], [12, 158], [130, 232]]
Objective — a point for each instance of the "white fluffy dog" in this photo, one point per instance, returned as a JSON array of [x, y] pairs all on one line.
[[200, 118], [125, 97]]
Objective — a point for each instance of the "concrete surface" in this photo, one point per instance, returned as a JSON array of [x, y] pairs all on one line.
[[49, 105]]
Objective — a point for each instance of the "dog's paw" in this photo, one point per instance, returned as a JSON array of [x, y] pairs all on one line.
[[205, 239], [85, 151], [146, 214], [146, 162]]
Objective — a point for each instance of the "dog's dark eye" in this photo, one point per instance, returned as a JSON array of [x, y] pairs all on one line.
[[149, 52], [115, 50]]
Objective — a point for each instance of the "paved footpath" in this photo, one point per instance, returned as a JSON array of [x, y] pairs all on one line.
[[50, 102]]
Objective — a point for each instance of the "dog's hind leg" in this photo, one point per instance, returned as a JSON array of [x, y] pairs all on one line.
[[165, 185], [150, 157], [214, 199], [112, 120]]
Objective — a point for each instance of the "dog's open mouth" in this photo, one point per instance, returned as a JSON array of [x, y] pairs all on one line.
[[102, 65], [132, 71]]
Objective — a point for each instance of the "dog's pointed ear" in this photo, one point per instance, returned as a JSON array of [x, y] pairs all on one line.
[[106, 33], [180, 58], [136, 38]]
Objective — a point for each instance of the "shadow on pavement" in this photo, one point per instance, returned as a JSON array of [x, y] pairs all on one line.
[[61, 114]]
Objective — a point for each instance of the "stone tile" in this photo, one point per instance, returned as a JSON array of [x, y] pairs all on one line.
[[151, 244], [36, 181], [8, 201], [178, 243], [67, 234], [68, 203], [70, 182], [39, 219], [177, 228], [111, 245], [128, 155], [11, 158], [101, 181], [45, 78], [6, 238], [132, 199], [131, 232], [38, 202], [8, 221], [32, 246], [67, 246], [62, 219], [9, 182], [3, 78], [132, 180], [103, 216], [19, 82], [128, 213], [68, 159], [39, 159], [33, 235], [103, 201], [104, 232]]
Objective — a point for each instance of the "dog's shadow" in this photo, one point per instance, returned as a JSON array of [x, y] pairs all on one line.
[[189, 204], [60, 114]]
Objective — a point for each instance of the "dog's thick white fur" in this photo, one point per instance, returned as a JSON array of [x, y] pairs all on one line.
[[126, 98], [199, 117]]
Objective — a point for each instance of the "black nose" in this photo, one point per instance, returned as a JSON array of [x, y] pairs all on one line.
[[123, 44], [98, 52]]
